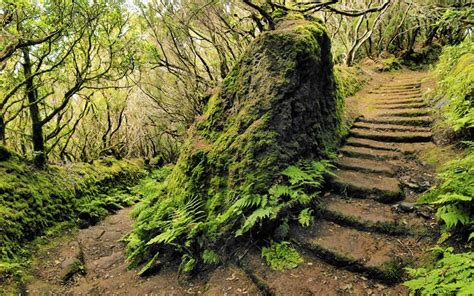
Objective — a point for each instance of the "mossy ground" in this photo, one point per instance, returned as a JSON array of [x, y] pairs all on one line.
[[32, 201]]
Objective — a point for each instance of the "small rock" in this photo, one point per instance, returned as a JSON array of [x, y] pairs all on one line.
[[411, 185], [406, 206]]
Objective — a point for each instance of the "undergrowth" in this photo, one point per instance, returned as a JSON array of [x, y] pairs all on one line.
[[32, 201], [451, 273], [453, 198], [456, 84], [203, 239], [280, 256]]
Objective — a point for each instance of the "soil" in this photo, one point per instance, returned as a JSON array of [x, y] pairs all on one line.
[[358, 246]]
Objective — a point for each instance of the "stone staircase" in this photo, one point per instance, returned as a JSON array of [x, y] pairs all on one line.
[[359, 216], [362, 227]]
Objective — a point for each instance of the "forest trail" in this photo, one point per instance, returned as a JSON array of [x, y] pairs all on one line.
[[368, 229]]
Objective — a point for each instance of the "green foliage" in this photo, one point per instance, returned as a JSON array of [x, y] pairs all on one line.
[[390, 64], [228, 181], [183, 227], [32, 201], [454, 196], [210, 257], [453, 274], [305, 217], [456, 83], [280, 256]]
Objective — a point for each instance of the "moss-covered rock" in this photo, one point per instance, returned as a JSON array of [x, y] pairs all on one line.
[[278, 105]]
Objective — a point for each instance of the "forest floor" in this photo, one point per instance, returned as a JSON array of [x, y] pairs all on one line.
[[368, 228]]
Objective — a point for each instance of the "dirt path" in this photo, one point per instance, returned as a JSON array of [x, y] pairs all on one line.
[[359, 246]]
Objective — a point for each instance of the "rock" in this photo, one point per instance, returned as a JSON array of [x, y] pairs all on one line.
[[279, 104], [72, 266], [406, 206], [73, 262]]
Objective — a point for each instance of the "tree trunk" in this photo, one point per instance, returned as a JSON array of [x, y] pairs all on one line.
[[2, 131], [37, 126]]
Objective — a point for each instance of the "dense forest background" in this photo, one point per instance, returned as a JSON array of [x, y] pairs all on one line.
[[228, 115], [84, 79]]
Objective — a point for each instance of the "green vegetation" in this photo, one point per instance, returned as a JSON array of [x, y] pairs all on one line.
[[452, 274], [456, 85], [234, 175], [31, 200], [349, 80], [280, 256], [389, 64], [454, 197], [186, 229]]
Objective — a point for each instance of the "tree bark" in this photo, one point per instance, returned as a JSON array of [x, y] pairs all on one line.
[[2, 131], [39, 158]]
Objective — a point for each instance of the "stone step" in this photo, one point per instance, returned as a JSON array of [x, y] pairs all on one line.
[[312, 277], [390, 127], [364, 214], [399, 102], [409, 84], [363, 185], [372, 254], [396, 92], [400, 120], [399, 87], [406, 112], [401, 106], [369, 153], [365, 165], [361, 142], [392, 97], [385, 136]]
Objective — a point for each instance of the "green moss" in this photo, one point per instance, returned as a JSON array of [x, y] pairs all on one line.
[[32, 200]]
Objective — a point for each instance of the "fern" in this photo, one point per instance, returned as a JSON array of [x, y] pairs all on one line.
[[453, 274], [280, 256], [257, 216], [192, 228], [305, 217], [210, 257], [453, 197]]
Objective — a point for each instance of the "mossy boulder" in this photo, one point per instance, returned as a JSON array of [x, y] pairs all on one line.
[[278, 105]]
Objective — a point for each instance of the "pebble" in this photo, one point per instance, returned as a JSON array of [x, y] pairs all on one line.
[[406, 206]]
